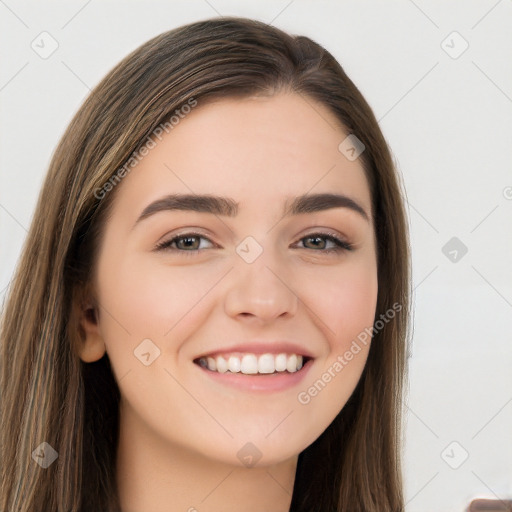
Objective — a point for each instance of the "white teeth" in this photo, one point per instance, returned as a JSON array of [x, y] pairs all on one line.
[[234, 364], [251, 364], [291, 364], [266, 364], [280, 362], [222, 365]]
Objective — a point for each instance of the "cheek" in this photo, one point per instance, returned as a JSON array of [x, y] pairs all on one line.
[[159, 302], [148, 300], [344, 301], [354, 307]]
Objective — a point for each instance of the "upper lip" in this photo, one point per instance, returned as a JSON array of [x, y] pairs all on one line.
[[261, 347]]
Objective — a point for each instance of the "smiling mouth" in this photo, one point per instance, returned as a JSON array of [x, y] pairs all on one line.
[[254, 364]]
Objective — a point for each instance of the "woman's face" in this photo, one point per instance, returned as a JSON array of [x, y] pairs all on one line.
[[249, 284]]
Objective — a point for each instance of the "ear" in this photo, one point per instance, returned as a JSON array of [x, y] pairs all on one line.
[[91, 347]]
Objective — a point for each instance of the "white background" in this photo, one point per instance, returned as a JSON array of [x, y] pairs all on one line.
[[449, 124]]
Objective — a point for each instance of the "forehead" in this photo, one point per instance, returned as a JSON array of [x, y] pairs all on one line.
[[256, 149]]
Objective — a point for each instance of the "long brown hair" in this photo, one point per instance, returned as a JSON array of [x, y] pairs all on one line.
[[50, 395]]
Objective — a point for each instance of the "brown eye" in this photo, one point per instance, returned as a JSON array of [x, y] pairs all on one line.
[[318, 241], [189, 242], [185, 243]]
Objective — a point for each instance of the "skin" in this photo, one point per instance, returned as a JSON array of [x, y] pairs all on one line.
[[180, 430]]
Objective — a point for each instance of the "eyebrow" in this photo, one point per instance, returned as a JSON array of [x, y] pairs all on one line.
[[226, 206]]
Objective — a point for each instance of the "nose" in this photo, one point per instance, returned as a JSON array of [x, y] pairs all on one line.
[[261, 290]]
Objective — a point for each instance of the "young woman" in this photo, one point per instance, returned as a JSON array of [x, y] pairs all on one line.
[[210, 311]]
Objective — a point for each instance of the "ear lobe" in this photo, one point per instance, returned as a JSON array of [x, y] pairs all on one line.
[[92, 347]]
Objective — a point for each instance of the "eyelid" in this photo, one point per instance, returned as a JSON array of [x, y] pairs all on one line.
[[315, 230]]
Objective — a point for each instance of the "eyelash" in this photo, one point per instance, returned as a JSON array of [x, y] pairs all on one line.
[[341, 245]]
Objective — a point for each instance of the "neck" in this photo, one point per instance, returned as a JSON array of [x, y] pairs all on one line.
[[153, 474]]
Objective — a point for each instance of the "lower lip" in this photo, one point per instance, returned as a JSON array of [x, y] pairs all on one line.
[[260, 382]]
